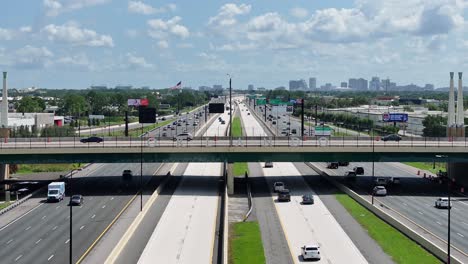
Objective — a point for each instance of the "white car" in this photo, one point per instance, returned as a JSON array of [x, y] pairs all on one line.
[[380, 191], [183, 136], [310, 252], [278, 186], [442, 202]]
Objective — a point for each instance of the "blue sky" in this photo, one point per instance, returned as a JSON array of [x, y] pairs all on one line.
[[78, 43]]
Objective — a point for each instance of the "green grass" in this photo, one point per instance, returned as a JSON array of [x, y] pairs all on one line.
[[135, 132], [35, 168], [239, 168], [395, 244], [429, 166], [236, 127], [5, 204], [245, 245], [340, 134]]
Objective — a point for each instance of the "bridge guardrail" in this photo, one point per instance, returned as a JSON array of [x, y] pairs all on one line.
[[223, 141]]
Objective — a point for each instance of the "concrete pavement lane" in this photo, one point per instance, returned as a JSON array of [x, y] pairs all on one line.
[[304, 224], [42, 235], [185, 232]]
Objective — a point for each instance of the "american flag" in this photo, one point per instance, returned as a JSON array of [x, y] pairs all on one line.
[[177, 86]]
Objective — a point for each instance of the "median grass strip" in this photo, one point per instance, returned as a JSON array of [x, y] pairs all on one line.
[[236, 127], [4, 205], [245, 245], [240, 168], [395, 244], [429, 166], [35, 168]]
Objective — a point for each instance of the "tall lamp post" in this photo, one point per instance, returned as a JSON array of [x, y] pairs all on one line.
[[71, 216], [230, 110], [449, 189]]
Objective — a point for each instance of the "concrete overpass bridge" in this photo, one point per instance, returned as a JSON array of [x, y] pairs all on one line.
[[219, 149]]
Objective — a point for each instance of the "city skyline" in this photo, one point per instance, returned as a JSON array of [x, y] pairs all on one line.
[[77, 44]]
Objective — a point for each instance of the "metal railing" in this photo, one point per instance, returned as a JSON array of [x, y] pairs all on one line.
[[215, 141]]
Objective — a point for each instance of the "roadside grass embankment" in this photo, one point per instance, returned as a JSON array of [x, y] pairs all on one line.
[[399, 247], [428, 166], [245, 243], [36, 168]]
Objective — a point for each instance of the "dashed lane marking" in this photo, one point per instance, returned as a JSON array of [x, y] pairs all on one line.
[[27, 228], [93, 216], [9, 241], [18, 257], [51, 256], [68, 240], [82, 227], [460, 235], [37, 242], [55, 227]]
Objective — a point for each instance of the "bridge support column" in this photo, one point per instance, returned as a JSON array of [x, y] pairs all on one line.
[[4, 168], [457, 171], [230, 179]]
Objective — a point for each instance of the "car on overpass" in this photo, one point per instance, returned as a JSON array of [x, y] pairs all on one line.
[[358, 170], [332, 165], [92, 140], [183, 136], [127, 174], [278, 186], [268, 164], [391, 137]]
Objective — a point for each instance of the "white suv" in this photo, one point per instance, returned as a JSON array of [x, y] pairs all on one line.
[[442, 202], [310, 252]]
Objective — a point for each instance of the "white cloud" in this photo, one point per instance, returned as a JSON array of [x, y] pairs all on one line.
[[76, 62], [131, 33], [72, 33], [172, 7], [161, 29], [299, 12], [5, 34], [56, 7], [25, 29], [227, 15], [139, 7], [32, 57], [163, 44], [135, 62]]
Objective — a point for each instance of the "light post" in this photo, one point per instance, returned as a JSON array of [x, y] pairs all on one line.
[[71, 216], [449, 189], [230, 110]]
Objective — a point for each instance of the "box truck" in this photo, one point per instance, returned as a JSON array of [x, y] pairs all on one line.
[[56, 191]]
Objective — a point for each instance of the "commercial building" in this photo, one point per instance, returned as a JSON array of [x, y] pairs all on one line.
[[297, 85], [374, 84], [358, 84], [312, 83]]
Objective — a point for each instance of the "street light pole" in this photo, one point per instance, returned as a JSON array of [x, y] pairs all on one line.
[[449, 184], [230, 110], [71, 214]]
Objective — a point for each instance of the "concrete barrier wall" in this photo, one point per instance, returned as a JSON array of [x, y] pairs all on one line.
[[428, 245]]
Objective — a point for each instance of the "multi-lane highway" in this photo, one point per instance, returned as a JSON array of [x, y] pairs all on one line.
[[303, 224], [42, 235]]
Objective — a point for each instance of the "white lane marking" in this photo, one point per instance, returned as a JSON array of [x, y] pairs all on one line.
[[420, 213], [9, 241], [44, 217], [51, 256], [55, 227], [112, 198], [93, 216], [57, 207], [37, 242], [464, 223], [460, 235], [439, 222], [81, 227], [405, 204], [90, 198], [104, 206], [18, 257], [27, 228], [456, 208], [68, 240], [3, 228]]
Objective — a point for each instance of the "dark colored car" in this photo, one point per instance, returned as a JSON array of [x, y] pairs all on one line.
[[332, 165], [92, 140], [284, 196], [391, 137], [307, 199], [163, 119], [76, 199], [268, 164], [127, 174], [358, 170], [343, 163]]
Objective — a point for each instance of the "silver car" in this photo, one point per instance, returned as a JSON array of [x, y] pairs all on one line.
[[380, 191]]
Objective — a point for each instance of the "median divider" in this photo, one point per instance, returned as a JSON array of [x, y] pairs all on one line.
[[428, 245], [128, 234], [249, 198]]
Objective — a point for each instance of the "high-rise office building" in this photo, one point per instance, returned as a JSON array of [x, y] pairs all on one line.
[[358, 84], [312, 83], [374, 84], [250, 87], [297, 85], [344, 84]]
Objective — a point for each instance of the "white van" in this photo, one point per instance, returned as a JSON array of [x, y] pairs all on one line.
[[55, 191]]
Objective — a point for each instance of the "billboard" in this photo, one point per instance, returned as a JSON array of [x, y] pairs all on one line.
[[261, 101], [217, 108], [146, 115], [279, 109], [323, 131], [100, 117], [137, 102], [395, 117]]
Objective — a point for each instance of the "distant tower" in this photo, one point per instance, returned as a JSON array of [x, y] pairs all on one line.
[[460, 109], [4, 107], [451, 109]]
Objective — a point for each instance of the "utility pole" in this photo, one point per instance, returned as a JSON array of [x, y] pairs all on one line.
[[302, 119], [230, 110]]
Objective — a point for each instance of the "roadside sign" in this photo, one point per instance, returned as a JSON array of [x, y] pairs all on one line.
[[100, 117], [323, 131], [395, 117]]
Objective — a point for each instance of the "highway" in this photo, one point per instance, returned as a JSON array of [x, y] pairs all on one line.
[[303, 224], [414, 198], [42, 235], [185, 232]]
